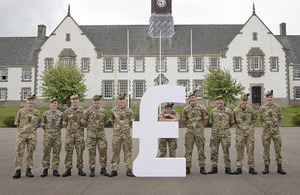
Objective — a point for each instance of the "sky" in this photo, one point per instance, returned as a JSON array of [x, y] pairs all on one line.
[[20, 18]]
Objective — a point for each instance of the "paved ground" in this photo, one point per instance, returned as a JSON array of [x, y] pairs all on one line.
[[194, 183]]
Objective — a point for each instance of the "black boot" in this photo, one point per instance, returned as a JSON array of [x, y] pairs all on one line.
[[129, 173], [17, 174], [67, 173], [113, 173], [238, 171], [213, 170], [55, 173], [266, 171], [81, 173], [28, 173], [188, 170], [92, 174], [228, 171], [203, 171], [104, 172], [252, 171], [45, 173], [280, 170]]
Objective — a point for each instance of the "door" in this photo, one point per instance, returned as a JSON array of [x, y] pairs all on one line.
[[256, 96]]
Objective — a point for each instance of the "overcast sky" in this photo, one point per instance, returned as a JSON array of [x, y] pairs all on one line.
[[21, 17]]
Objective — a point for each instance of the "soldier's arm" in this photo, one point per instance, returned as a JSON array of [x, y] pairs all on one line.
[[17, 119], [106, 118], [184, 117], [40, 119], [204, 116], [111, 118], [231, 119], [84, 118], [43, 122], [205, 122], [131, 118], [65, 119], [280, 115], [211, 120], [254, 116]]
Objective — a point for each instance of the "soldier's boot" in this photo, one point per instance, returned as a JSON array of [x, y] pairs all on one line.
[[28, 173], [188, 170], [213, 170], [67, 173], [17, 174], [238, 171], [280, 170], [45, 173], [80, 172], [104, 172], [228, 171], [129, 173], [113, 173], [252, 171], [92, 174], [266, 171], [55, 173], [203, 171]]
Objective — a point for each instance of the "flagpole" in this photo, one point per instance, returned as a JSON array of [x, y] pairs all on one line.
[[128, 70], [191, 62], [160, 64]]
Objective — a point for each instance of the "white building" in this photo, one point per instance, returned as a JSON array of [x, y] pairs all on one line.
[[260, 60]]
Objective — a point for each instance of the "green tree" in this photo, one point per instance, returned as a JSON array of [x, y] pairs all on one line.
[[219, 82], [63, 81]]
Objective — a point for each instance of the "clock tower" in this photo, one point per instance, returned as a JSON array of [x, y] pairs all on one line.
[[161, 19]]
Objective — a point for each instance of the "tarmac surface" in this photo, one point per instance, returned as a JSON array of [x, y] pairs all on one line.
[[194, 183]]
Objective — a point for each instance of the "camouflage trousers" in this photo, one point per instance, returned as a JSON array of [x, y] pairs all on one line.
[[193, 137], [240, 144], [163, 142], [55, 145], [214, 144], [101, 144], [267, 135], [117, 143], [72, 141], [23, 140]]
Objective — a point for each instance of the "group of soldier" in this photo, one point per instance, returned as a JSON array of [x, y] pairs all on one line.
[[94, 118]]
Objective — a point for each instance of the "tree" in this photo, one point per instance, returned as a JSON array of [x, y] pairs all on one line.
[[63, 81], [219, 82]]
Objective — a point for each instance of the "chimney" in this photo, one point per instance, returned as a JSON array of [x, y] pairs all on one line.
[[41, 31], [282, 29]]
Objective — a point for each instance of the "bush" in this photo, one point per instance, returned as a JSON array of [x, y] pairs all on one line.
[[296, 119], [9, 121]]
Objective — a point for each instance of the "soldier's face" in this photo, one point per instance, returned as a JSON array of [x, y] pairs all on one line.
[[74, 102], [168, 110], [30, 103], [220, 103], [244, 103], [122, 103], [53, 105], [192, 99], [96, 103], [270, 99]]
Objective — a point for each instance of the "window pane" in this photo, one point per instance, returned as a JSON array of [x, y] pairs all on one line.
[[183, 64], [296, 73], [198, 65], [237, 63], [139, 89], [85, 64], [108, 89], [163, 64], [26, 93], [27, 74], [49, 63], [3, 75], [123, 87], [2, 94], [108, 64], [214, 62], [274, 63], [139, 66], [297, 93], [185, 84], [123, 64]]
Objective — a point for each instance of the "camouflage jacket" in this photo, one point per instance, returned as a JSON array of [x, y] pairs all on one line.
[[72, 118], [270, 114], [244, 120], [52, 121], [220, 120], [96, 120], [27, 120], [121, 119], [194, 116], [161, 115]]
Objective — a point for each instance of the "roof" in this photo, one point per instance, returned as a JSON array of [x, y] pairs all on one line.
[[293, 44], [19, 51]]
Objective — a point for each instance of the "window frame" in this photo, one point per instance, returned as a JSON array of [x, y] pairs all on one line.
[[296, 73], [135, 88], [297, 92], [6, 75], [5, 94], [235, 60], [201, 64], [142, 66], [87, 64], [105, 91], [23, 96], [180, 60], [164, 64], [121, 64], [277, 64], [24, 76], [211, 62]]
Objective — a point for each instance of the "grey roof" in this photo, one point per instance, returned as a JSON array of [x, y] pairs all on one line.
[[19, 51], [207, 39], [292, 43]]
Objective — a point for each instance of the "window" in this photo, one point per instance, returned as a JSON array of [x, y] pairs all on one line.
[[3, 75], [182, 64], [255, 63], [123, 64], [198, 64], [198, 87], [237, 63], [3, 92], [274, 64], [68, 37], [214, 62], [48, 62], [297, 93], [296, 72], [184, 84], [254, 36], [108, 65], [26, 74], [85, 62], [67, 61], [139, 65], [108, 89], [123, 87], [139, 89], [162, 66], [25, 93]]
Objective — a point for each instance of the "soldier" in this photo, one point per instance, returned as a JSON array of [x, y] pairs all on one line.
[[244, 117], [221, 119], [121, 119], [27, 121], [74, 135], [195, 118], [168, 115], [95, 119], [52, 125], [270, 116]]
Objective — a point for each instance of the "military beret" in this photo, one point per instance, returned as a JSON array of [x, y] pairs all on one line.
[[192, 93], [269, 93], [245, 96], [30, 97], [53, 99], [169, 105], [219, 97], [97, 97], [76, 96], [121, 96]]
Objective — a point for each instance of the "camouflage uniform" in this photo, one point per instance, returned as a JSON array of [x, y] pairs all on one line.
[[270, 115], [52, 121], [96, 120], [28, 122], [74, 136], [195, 132], [244, 120], [163, 142], [220, 120], [121, 117]]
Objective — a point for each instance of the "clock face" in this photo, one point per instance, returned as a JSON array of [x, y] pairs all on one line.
[[161, 3]]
